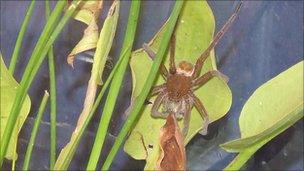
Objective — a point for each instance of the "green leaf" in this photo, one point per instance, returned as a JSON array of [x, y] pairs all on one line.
[[8, 89], [194, 32], [271, 109], [88, 13], [47, 38], [35, 129], [104, 45]]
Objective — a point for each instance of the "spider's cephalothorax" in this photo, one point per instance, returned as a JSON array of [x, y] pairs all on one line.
[[176, 95], [178, 84], [178, 87]]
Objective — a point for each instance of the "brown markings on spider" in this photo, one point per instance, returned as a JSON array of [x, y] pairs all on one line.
[[176, 94]]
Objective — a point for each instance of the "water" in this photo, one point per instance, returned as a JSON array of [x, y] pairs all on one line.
[[266, 39]]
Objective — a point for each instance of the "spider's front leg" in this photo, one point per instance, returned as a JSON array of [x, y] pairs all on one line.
[[202, 110], [158, 101], [152, 55], [157, 89], [200, 61], [207, 77]]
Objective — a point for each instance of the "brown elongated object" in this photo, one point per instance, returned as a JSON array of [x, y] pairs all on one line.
[[173, 154]]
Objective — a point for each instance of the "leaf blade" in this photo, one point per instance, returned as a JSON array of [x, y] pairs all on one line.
[[8, 88], [103, 48], [217, 103], [272, 108]]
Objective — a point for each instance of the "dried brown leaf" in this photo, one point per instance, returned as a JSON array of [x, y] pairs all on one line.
[[173, 155], [88, 13]]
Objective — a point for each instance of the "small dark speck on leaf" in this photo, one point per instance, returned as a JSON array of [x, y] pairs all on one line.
[[147, 102]]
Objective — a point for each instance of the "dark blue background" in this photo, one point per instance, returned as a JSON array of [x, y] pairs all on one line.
[[266, 39]]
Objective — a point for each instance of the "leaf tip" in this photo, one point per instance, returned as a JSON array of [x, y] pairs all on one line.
[[70, 60]]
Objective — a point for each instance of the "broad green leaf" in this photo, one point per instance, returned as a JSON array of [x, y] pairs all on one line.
[[103, 48], [194, 32], [8, 89], [271, 109]]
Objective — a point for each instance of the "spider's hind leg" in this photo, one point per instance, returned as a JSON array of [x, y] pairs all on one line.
[[187, 119], [202, 110]]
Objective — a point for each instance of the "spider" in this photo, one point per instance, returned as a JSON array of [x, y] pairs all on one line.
[[176, 94]]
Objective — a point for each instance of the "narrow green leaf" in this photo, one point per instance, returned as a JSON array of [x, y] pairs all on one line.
[[68, 151], [272, 108], [15, 136], [190, 43], [40, 51], [34, 132], [53, 101], [104, 45], [115, 87], [285, 122], [135, 110], [20, 37]]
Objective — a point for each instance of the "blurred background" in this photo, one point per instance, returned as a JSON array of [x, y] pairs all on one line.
[[266, 39]]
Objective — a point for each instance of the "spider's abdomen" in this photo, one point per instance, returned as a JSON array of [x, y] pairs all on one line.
[[178, 86]]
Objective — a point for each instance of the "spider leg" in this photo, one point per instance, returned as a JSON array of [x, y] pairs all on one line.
[[158, 101], [172, 68], [202, 110], [207, 77], [200, 61], [152, 55], [157, 89], [187, 118]]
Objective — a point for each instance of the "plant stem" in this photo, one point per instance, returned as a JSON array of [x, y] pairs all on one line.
[[30, 146], [20, 37], [115, 86], [103, 48], [53, 101], [32, 68], [16, 134], [148, 84]]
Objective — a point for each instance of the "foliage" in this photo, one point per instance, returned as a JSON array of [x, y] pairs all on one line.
[[8, 88], [270, 110], [190, 43], [104, 45]]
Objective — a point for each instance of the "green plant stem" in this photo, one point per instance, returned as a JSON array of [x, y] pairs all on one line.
[[53, 101], [103, 47], [16, 134], [44, 43], [93, 110], [148, 84], [30, 146], [115, 86], [20, 37]]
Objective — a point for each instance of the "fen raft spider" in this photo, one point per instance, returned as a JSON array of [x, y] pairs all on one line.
[[176, 94]]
